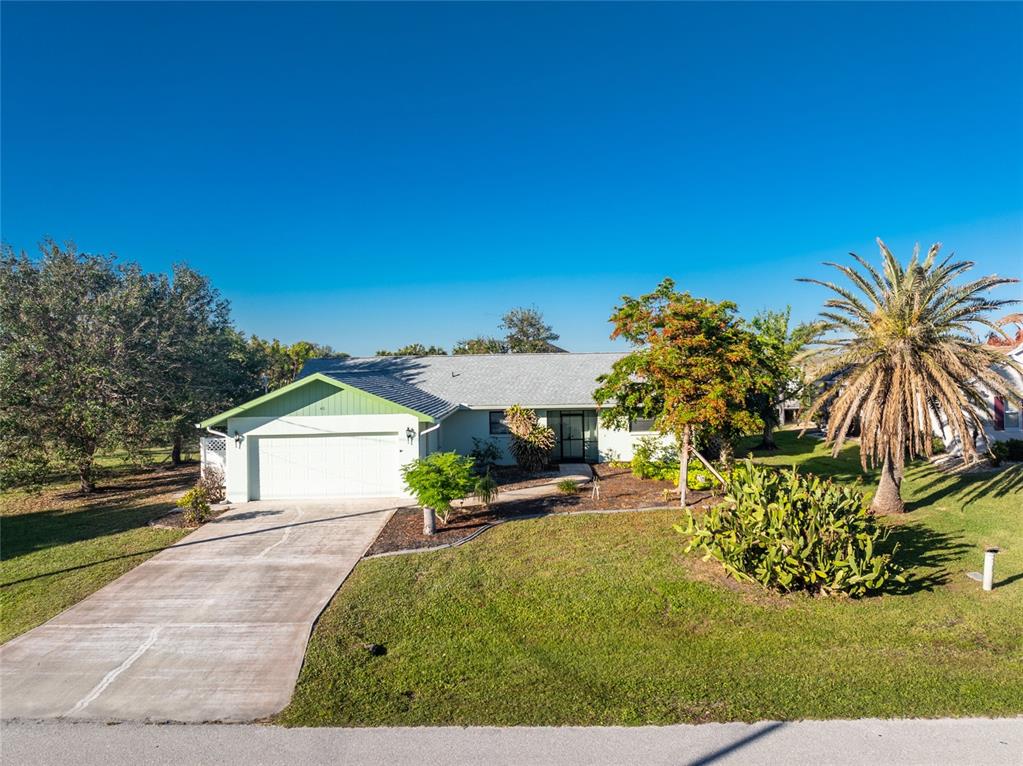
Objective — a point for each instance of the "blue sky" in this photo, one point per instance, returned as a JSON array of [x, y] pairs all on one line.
[[373, 175]]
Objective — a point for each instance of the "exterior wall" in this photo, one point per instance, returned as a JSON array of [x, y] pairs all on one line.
[[987, 416], [458, 429], [239, 456], [616, 444]]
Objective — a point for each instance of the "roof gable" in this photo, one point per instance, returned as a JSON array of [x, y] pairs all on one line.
[[316, 394]]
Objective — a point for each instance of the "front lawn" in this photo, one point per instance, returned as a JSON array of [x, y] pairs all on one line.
[[597, 620], [58, 547]]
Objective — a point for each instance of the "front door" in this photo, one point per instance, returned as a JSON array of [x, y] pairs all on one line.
[[571, 436]]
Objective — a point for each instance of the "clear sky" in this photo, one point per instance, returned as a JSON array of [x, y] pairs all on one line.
[[373, 175]]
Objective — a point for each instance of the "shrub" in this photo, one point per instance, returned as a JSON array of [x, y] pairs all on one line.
[[212, 481], [792, 531], [438, 479], [652, 458], [567, 487], [531, 443], [937, 445], [698, 478], [1010, 449], [195, 506], [485, 489], [484, 453]]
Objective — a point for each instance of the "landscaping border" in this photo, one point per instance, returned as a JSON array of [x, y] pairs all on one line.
[[525, 517]]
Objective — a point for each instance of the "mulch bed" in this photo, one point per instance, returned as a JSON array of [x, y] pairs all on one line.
[[619, 490]]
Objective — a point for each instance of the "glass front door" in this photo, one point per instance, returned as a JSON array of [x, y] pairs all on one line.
[[572, 436]]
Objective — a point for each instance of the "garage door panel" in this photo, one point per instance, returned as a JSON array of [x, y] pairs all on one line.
[[350, 465]]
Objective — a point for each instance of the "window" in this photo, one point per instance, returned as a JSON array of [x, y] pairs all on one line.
[[1011, 417], [497, 424], [641, 424]]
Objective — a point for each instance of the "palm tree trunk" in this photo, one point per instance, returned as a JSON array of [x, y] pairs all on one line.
[[683, 466], [429, 521], [888, 498]]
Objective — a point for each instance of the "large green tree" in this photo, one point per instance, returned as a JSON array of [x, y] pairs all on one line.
[[81, 347], [480, 345], [903, 351], [279, 363], [780, 375], [693, 366], [99, 355], [414, 349], [527, 332]]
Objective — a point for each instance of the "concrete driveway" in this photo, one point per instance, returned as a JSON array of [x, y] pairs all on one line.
[[212, 629]]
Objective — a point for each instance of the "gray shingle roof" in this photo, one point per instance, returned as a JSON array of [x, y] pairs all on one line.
[[437, 385]]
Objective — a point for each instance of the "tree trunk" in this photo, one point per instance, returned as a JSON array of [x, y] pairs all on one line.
[[683, 465], [86, 482], [176, 451], [768, 442], [726, 453], [888, 499], [429, 521]]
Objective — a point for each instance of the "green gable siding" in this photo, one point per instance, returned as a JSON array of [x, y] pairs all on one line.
[[319, 398]]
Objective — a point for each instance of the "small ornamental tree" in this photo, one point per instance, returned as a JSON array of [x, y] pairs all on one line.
[[692, 370], [531, 442], [437, 480]]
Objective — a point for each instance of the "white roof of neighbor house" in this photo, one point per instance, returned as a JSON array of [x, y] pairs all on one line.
[[438, 385]]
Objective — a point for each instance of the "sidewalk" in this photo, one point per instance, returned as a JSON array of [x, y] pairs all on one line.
[[868, 742]]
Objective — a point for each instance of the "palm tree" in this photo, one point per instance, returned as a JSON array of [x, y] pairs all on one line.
[[906, 351]]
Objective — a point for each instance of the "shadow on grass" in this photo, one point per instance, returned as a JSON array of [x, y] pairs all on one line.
[[925, 554], [969, 488], [109, 511]]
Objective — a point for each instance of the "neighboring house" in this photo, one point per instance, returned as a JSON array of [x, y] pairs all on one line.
[[346, 426], [1001, 416]]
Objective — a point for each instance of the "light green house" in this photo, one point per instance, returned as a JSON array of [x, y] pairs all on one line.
[[346, 426]]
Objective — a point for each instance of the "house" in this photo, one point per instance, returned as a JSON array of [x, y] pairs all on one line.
[[345, 427], [1001, 416]]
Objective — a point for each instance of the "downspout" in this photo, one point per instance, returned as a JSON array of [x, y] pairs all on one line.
[[428, 431], [212, 431]]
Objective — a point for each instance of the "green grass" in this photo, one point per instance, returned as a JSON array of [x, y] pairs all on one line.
[[57, 547], [598, 620]]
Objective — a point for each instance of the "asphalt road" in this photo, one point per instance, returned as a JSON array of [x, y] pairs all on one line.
[[840, 743]]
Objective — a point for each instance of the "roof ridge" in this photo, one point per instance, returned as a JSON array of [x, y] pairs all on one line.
[[516, 354]]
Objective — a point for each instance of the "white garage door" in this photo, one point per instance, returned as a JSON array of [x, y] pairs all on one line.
[[353, 465]]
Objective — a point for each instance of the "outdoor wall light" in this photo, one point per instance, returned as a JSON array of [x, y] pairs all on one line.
[[410, 435], [238, 439]]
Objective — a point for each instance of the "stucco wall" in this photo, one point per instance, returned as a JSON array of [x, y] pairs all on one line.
[[618, 445], [987, 414], [458, 429]]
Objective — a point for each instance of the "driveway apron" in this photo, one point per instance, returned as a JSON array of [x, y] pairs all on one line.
[[214, 628]]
